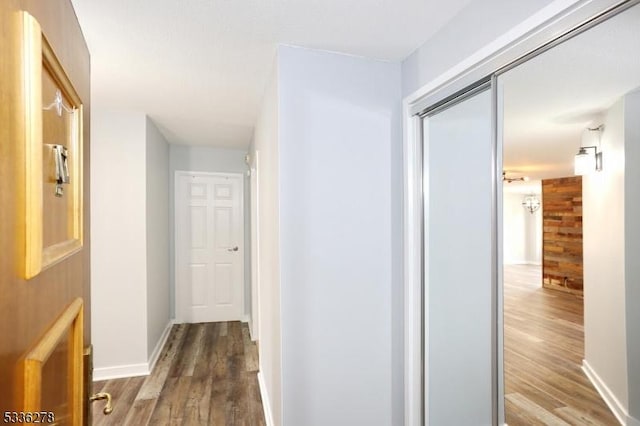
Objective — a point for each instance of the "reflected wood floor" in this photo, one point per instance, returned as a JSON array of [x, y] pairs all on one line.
[[205, 375], [544, 348]]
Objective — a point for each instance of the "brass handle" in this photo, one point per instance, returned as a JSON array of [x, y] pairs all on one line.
[[108, 408]]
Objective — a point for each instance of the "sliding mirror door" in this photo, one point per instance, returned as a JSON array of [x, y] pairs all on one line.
[[572, 239], [459, 276]]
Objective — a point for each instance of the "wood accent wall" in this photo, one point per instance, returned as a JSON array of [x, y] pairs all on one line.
[[562, 234], [28, 308]]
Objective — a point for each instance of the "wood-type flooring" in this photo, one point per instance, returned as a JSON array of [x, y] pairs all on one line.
[[544, 348], [205, 375]]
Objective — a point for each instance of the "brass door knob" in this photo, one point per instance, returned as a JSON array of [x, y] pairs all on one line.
[[108, 408]]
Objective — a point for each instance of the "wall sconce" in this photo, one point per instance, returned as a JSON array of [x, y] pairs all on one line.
[[585, 161], [531, 203]]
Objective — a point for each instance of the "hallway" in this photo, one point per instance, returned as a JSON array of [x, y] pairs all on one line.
[[206, 375], [544, 347]]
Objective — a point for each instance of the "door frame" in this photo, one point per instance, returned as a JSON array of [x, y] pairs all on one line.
[[254, 182], [485, 85], [179, 314], [555, 23]]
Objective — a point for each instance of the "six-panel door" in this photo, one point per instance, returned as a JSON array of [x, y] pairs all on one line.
[[209, 247]]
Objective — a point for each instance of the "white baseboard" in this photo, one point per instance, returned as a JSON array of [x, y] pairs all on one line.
[[249, 322], [153, 358], [251, 333], [120, 371], [133, 370], [246, 318], [266, 404], [609, 398]]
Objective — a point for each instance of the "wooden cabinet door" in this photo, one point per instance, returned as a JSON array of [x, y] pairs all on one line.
[[44, 320]]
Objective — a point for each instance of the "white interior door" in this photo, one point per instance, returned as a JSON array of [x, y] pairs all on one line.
[[209, 250]]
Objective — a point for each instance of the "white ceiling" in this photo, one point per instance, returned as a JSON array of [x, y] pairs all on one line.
[[198, 68], [550, 100]]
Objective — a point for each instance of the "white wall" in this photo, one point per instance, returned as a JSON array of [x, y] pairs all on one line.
[[466, 33], [397, 275], [533, 233], [157, 211], [611, 252], [265, 142], [604, 261], [118, 240], [632, 248], [339, 117], [209, 159], [129, 237], [514, 226], [522, 230]]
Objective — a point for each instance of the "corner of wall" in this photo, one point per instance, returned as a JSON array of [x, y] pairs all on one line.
[[266, 401], [265, 142], [617, 408], [632, 249], [118, 255], [157, 235], [604, 276]]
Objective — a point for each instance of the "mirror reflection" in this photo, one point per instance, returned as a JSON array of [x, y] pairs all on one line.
[[571, 278]]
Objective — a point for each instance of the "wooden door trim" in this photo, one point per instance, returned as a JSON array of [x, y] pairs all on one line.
[[70, 321], [38, 57]]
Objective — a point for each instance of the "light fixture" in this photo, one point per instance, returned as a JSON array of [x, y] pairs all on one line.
[[507, 179], [531, 203], [585, 161]]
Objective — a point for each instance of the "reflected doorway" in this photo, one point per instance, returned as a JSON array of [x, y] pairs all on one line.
[[568, 354]]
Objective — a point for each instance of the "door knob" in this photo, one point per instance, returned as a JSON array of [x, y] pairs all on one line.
[[108, 408], [233, 249]]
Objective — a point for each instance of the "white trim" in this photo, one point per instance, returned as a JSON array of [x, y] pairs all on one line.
[[542, 27], [266, 404], [254, 214], [253, 337], [485, 53], [412, 273], [134, 370], [499, 253], [155, 354], [120, 371], [609, 398], [249, 321], [176, 270]]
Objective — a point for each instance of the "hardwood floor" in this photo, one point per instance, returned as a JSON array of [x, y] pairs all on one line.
[[206, 375], [544, 348]]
